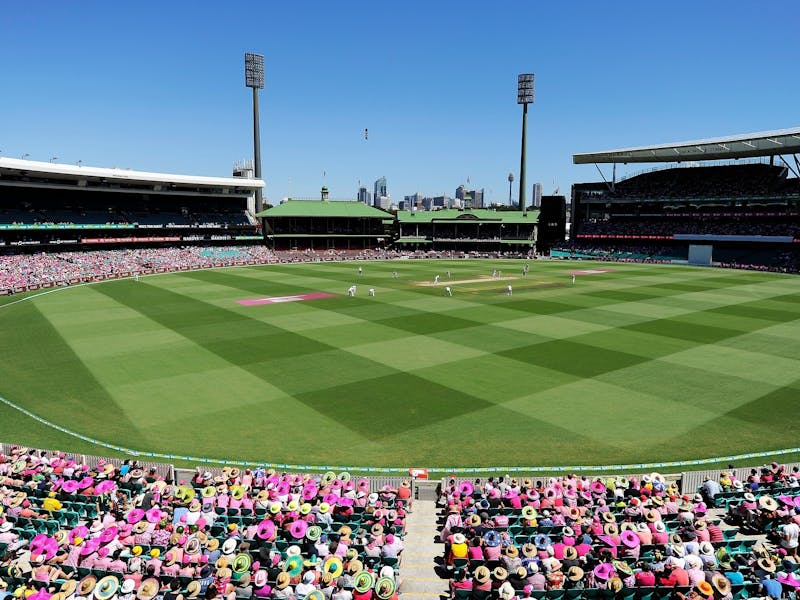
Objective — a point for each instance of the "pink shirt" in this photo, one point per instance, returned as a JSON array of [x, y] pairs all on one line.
[[118, 566], [171, 571], [696, 576], [73, 558]]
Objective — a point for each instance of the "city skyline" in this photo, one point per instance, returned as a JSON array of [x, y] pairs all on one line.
[[83, 87]]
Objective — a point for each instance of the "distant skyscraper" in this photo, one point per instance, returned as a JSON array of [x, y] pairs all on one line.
[[440, 202], [364, 195], [469, 198], [413, 200], [380, 191]]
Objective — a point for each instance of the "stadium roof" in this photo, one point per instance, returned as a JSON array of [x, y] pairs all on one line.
[[764, 143], [323, 208], [475, 214], [45, 169]]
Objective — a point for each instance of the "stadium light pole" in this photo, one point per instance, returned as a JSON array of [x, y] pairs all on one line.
[[254, 78], [524, 97]]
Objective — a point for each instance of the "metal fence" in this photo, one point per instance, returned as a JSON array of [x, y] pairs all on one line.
[[171, 473], [688, 481], [692, 480], [164, 470]]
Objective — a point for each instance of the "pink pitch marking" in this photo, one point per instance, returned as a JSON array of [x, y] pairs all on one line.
[[284, 299], [590, 271]]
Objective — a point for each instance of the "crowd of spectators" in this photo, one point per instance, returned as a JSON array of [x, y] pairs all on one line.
[[667, 226], [22, 272], [708, 182], [765, 500], [72, 531], [622, 252], [787, 261], [511, 538], [199, 216]]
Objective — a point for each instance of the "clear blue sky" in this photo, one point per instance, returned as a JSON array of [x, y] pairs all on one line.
[[159, 85]]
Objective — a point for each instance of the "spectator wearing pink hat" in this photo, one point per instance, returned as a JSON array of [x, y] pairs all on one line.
[[103, 561], [392, 547]]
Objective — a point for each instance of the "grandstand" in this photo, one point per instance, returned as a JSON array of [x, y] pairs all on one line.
[[324, 225], [44, 206], [747, 210], [467, 230]]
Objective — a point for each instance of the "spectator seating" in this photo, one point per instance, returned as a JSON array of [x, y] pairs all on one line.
[[249, 532]]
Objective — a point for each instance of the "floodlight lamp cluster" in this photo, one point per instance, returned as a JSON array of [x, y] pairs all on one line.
[[525, 88], [254, 70]]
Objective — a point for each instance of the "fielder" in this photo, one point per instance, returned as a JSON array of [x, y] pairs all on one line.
[[351, 291], [573, 279], [436, 280], [448, 291], [509, 290], [360, 271], [371, 291]]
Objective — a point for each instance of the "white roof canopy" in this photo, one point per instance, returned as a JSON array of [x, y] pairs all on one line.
[[765, 143], [46, 169]]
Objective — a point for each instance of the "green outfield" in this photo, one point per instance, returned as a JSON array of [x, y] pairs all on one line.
[[642, 363]]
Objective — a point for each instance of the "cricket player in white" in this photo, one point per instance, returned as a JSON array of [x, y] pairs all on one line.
[[436, 280], [448, 291], [573, 279], [351, 291], [508, 293], [371, 291], [136, 277], [360, 271]]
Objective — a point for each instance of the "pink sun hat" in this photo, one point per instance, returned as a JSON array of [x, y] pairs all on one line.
[[109, 533], [298, 529], [630, 539], [153, 515], [266, 530], [134, 516], [603, 571]]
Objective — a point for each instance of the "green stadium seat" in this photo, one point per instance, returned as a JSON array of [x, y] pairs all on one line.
[[462, 594]]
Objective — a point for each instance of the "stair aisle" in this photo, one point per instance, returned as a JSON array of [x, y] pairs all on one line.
[[418, 576]]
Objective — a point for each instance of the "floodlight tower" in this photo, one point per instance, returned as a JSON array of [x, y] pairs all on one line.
[[254, 78], [524, 97], [510, 181]]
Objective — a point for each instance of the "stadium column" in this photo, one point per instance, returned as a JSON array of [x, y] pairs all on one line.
[[524, 96], [257, 151], [254, 78], [522, 158]]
